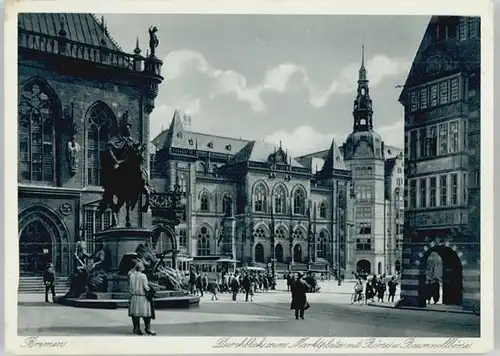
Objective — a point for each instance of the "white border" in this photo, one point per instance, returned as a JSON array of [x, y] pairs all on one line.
[[205, 345]]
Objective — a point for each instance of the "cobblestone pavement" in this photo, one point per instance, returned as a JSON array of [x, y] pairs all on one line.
[[269, 314]]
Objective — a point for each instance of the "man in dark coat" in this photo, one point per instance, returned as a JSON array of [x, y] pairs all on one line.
[[246, 286], [435, 290], [392, 289], [235, 286], [49, 278], [299, 303]]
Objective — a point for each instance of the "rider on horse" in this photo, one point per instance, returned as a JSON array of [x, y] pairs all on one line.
[[122, 174]]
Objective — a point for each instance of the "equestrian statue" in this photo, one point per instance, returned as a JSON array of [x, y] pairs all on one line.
[[122, 175]]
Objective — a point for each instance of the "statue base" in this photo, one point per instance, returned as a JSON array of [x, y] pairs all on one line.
[[119, 244]]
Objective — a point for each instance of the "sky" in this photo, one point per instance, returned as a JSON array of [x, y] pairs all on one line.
[[289, 78]]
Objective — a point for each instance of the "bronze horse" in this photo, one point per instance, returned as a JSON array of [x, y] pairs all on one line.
[[126, 181]]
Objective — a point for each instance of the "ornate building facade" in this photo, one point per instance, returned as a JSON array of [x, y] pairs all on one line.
[[251, 201], [441, 98], [337, 205], [75, 84]]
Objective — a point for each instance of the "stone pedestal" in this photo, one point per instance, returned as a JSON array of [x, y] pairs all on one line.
[[118, 241]]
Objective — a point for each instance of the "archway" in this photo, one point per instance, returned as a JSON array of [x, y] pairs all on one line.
[[442, 264], [43, 238], [297, 253], [35, 249], [259, 253], [164, 240], [278, 252], [363, 266]]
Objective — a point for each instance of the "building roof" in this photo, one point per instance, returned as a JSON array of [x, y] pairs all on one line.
[[83, 28], [334, 159], [389, 165], [261, 152]]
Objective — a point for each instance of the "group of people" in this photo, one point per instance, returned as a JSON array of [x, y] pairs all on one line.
[[432, 290], [243, 281], [310, 279], [376, 288]]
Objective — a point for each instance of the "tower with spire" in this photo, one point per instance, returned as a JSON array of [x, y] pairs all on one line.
[[363, 111]]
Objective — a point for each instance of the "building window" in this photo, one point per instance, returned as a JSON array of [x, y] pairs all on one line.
[[413, 144], [182, 237], [365, 229], [322, 210], [466, 189], [413, 194], [454, 136], [363, 213], [259, 198], [443, 93], [363, 193], [455, 90], [423, 98], [463, 29], [201, 168], [280, 233], [424, 143], [454, 189], [203, 248], [101, 125], [434, 95], [432, 190], [474, 26], [443, 139], [414, 100], [279, 200], [93, 224], [37, 137], [204, 203], [399, 181], [443, 188], [423, 193], [433, 142], [466, 134], [299, 201], [363, 244], [322, 245]]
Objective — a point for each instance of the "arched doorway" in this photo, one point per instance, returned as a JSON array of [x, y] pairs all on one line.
[[397, 266], [35, 249], [297, 253], [442, 264], [259, 253], [363, 266], [278, 251]]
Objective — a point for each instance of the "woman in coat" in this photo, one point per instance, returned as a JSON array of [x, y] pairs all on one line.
[[139, 305], [299, 303]]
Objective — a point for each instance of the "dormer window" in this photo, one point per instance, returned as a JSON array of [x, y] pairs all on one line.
[[190, 141], [179, 134], [210, 145], [228, 147]]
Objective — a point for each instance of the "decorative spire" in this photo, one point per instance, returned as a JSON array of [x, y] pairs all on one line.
[[281, 148], [362, 111], [362, 70], [137, 50], [62, 31]]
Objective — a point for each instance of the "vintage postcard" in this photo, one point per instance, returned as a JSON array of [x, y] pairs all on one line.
[[276, 176]]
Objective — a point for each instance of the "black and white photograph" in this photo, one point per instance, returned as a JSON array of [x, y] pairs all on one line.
[[243, 177]]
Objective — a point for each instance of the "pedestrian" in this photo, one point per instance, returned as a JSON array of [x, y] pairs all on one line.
[[288, 281], [392, 289], [246, 286], [428, 291], [235, 285], [381, 290], [212, 288], [139, 305], [369, 291], [435, 287], [299, 303], [49, 279], [204, 282], [199, 284], [192, 279]]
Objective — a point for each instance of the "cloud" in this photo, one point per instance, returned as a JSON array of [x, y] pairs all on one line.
[[277, 79], [305, 139], [302, 140]]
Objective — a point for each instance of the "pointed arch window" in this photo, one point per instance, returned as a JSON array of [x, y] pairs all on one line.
[[322, 245], [204, 236], [37, 137], [279, 200], [182, 183], [260, 198], [322, 210], [299, 202], [101, 121], [204, 202]]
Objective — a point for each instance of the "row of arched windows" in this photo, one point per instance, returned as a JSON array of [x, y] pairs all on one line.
[[205, 199], [39, 110], [279, 200]]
